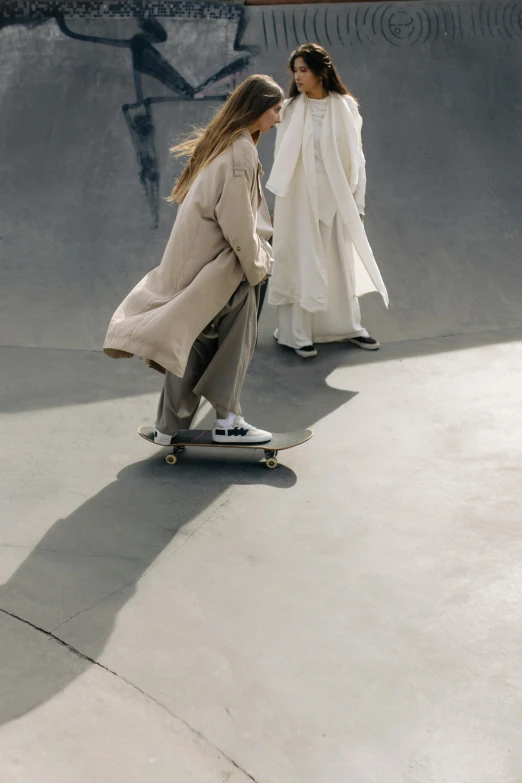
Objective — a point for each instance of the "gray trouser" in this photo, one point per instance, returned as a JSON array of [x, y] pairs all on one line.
[[217, 365]]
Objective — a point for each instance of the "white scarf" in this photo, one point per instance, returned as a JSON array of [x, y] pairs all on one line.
[[339, 120]]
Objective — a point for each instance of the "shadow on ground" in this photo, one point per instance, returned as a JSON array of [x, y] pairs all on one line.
[[102, 549], [37, 379], [105, 546]]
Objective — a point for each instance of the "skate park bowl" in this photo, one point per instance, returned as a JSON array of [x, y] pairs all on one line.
[[353, 616], [91, 100]]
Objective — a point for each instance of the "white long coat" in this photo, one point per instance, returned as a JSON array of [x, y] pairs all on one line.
[[300, 263]]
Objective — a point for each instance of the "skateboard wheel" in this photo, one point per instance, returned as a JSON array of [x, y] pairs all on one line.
[[170, 459], [271, 462]]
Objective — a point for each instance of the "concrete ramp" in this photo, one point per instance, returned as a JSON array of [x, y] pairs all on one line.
[[90, 105], [353, 616]]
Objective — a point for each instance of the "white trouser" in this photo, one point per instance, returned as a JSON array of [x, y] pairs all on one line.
[[342, 319]]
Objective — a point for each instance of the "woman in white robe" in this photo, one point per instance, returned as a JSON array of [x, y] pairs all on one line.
[[323, 261]]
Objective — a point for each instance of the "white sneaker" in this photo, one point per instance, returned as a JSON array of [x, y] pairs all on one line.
[[238, 432], [162, 439]]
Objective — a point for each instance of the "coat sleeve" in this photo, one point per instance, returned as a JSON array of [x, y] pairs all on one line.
[[238, 222], [360, 191]]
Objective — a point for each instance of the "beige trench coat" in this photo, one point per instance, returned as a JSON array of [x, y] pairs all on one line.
[[214, 245]]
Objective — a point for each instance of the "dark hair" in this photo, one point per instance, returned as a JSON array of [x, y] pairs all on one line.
[[321, 65]]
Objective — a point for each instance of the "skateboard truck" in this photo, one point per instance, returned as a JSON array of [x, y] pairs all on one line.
[[270, 457]]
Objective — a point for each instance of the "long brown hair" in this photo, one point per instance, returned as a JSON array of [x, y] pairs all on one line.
[[243, 107], [321, 65]]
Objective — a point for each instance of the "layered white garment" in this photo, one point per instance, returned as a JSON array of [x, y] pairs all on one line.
[[323, 260], [326, 206]]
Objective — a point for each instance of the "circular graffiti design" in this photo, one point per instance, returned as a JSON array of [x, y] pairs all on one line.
[[401, 25]]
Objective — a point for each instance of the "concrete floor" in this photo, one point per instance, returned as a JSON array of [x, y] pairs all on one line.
[[355, 615], [352, 616]]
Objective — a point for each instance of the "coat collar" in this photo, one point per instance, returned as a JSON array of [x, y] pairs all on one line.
[[247, 135]]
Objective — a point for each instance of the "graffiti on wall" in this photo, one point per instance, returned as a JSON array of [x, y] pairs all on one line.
[[157, 51], [146, 59], [397, 24]]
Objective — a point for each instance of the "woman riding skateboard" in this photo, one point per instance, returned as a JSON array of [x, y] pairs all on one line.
[[194, 316]]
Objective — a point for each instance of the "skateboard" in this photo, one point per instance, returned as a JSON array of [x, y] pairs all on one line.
[[203, 438]]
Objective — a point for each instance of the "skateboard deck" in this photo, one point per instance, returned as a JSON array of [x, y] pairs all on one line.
[[203, 438]]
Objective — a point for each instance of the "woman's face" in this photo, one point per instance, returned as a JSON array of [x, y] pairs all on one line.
[[270, 118], [304, 78]]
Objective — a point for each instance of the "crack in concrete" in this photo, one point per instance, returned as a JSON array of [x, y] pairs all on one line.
[[99, 352], [93, 606], [152, 565], [194, 532], [139, 517], [83, 657], [72, 552]]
